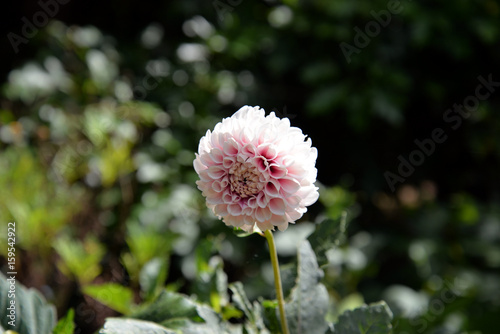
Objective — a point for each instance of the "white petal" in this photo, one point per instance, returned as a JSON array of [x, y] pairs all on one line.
[[289, 185], [277, 206]]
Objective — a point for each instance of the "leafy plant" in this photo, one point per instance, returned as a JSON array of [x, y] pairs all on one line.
[[24, 310]]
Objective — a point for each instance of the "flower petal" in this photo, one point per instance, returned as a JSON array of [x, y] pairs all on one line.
[[221, 210], [216, 155], [216, 172], [277, 171], [277, 206], [289, 185], [234, 209], [231, 147]]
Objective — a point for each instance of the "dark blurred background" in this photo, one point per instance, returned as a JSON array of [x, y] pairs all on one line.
[[102, 109]]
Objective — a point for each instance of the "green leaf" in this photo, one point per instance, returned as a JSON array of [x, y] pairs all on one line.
[[167, 306], [132, 326], [65, 325], [369, 319], [81, 259], [36, 316], [308, 306], [270, 315], [179, 312], [328, 234], [113, 295], [152, 277]]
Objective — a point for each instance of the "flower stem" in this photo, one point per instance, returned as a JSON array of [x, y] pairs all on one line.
[[277, 280]]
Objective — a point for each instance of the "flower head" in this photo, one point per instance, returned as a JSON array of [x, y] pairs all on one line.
[[257, 170]]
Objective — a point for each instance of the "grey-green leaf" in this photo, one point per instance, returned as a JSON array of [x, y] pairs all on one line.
[[371, 319], [33, 315], [132, 326], [328, 234], [308, 306], [254, 313], [167, 306]]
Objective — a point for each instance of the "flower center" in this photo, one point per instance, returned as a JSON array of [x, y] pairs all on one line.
[[244, 179]]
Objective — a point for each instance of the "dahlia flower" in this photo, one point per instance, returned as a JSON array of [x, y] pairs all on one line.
[[256, 171]]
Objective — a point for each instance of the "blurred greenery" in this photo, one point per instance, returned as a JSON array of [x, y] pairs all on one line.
[[102, 109]]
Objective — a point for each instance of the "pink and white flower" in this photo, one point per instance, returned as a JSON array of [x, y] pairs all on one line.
[[257, 171]]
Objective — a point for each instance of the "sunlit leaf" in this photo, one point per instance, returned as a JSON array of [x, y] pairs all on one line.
[[65, 325], [132, 326], [113, 295]]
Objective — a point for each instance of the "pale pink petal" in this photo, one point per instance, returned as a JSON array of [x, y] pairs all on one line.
[[231, 147], [249, 150], [216, 172], [267, 150], [293, 201], [216, 155], [277, 171], [289, 185], [198, 166], [277, 206], [249, 220], [262, 214], [206, 159], [262, 200], [252, 202], [263, 226], [228, 162], [221, 210], [261, 163], [273, 188], [234, 209]]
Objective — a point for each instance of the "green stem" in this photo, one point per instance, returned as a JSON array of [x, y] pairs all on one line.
[[277, 280]]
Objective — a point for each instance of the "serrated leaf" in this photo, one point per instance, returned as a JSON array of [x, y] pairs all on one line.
[[133, 326], [65, 324], [308, 306], [369, 319], [240, 299], [328, 234], [167, 306], [254, 313], [113, 295], [36, 316], [179, 312]]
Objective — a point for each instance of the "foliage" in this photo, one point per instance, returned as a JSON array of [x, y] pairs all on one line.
[[24, 310]]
